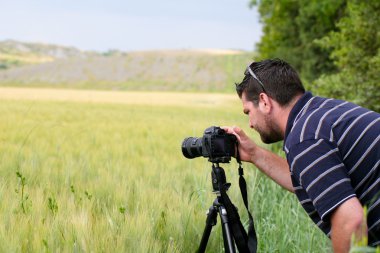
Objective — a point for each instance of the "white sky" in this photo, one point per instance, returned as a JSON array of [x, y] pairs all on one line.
[[132, 25]]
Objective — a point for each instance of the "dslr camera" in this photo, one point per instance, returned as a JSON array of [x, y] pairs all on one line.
[[215, 144]]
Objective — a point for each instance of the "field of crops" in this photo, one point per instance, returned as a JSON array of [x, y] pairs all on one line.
[[103, 175]]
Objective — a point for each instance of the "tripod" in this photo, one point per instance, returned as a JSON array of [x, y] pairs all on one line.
[[219, 184]]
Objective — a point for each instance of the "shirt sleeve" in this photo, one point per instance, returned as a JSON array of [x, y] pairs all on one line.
[[319, 169]]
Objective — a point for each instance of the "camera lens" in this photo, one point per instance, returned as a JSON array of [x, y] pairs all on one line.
[[192, 147]]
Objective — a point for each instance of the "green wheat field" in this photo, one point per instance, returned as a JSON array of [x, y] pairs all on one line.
[[87, 173]]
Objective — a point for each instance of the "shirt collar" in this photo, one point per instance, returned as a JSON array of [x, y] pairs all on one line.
[[296, 110]]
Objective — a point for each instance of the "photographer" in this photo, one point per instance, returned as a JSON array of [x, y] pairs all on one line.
[[332, 151]]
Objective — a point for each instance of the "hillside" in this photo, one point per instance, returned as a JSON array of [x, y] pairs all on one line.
[[14, 53], [40, 65]]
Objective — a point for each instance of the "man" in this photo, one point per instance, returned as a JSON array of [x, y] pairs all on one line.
[[332, 151]]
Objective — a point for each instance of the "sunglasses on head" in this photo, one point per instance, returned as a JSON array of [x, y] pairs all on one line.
[[249, 71]]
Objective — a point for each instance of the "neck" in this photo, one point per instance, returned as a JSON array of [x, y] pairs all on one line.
[[282, 114]]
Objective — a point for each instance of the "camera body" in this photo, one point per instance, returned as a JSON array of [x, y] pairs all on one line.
[[215, 144]]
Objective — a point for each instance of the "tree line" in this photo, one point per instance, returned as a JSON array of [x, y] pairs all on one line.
[[334, 45]]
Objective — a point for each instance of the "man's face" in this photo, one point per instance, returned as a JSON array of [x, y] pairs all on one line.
[[260, 120]]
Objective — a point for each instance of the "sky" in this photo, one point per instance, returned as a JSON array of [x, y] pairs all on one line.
[[126, 25]]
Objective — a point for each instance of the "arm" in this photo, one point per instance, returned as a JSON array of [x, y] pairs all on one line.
[[269, 163], [346, 221]]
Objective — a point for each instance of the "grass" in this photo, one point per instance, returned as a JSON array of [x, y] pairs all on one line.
[[110, 177]]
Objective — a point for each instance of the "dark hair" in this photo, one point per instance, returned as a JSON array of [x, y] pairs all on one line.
[[280, 81]]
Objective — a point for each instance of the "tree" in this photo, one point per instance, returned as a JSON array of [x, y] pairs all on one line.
[[291, 28], [335, 45], [356, 52]]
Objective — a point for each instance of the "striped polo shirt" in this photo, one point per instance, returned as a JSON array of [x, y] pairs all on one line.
[[333, 150]]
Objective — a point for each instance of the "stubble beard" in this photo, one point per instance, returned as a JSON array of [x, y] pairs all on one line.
[[270, 133]]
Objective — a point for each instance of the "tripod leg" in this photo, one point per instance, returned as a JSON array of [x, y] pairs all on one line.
[[210, 222], [229, 245]]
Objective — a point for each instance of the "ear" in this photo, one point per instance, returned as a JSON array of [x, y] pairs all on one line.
[[265, 103]]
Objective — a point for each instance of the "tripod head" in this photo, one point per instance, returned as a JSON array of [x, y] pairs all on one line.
[[218, 177]]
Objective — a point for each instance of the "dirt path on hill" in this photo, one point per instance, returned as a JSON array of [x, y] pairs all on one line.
[[118, 97]]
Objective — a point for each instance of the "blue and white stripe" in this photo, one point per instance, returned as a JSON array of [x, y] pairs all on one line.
[[333, 148]]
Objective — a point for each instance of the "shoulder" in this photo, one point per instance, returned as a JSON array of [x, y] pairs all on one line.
[[320, 117]]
